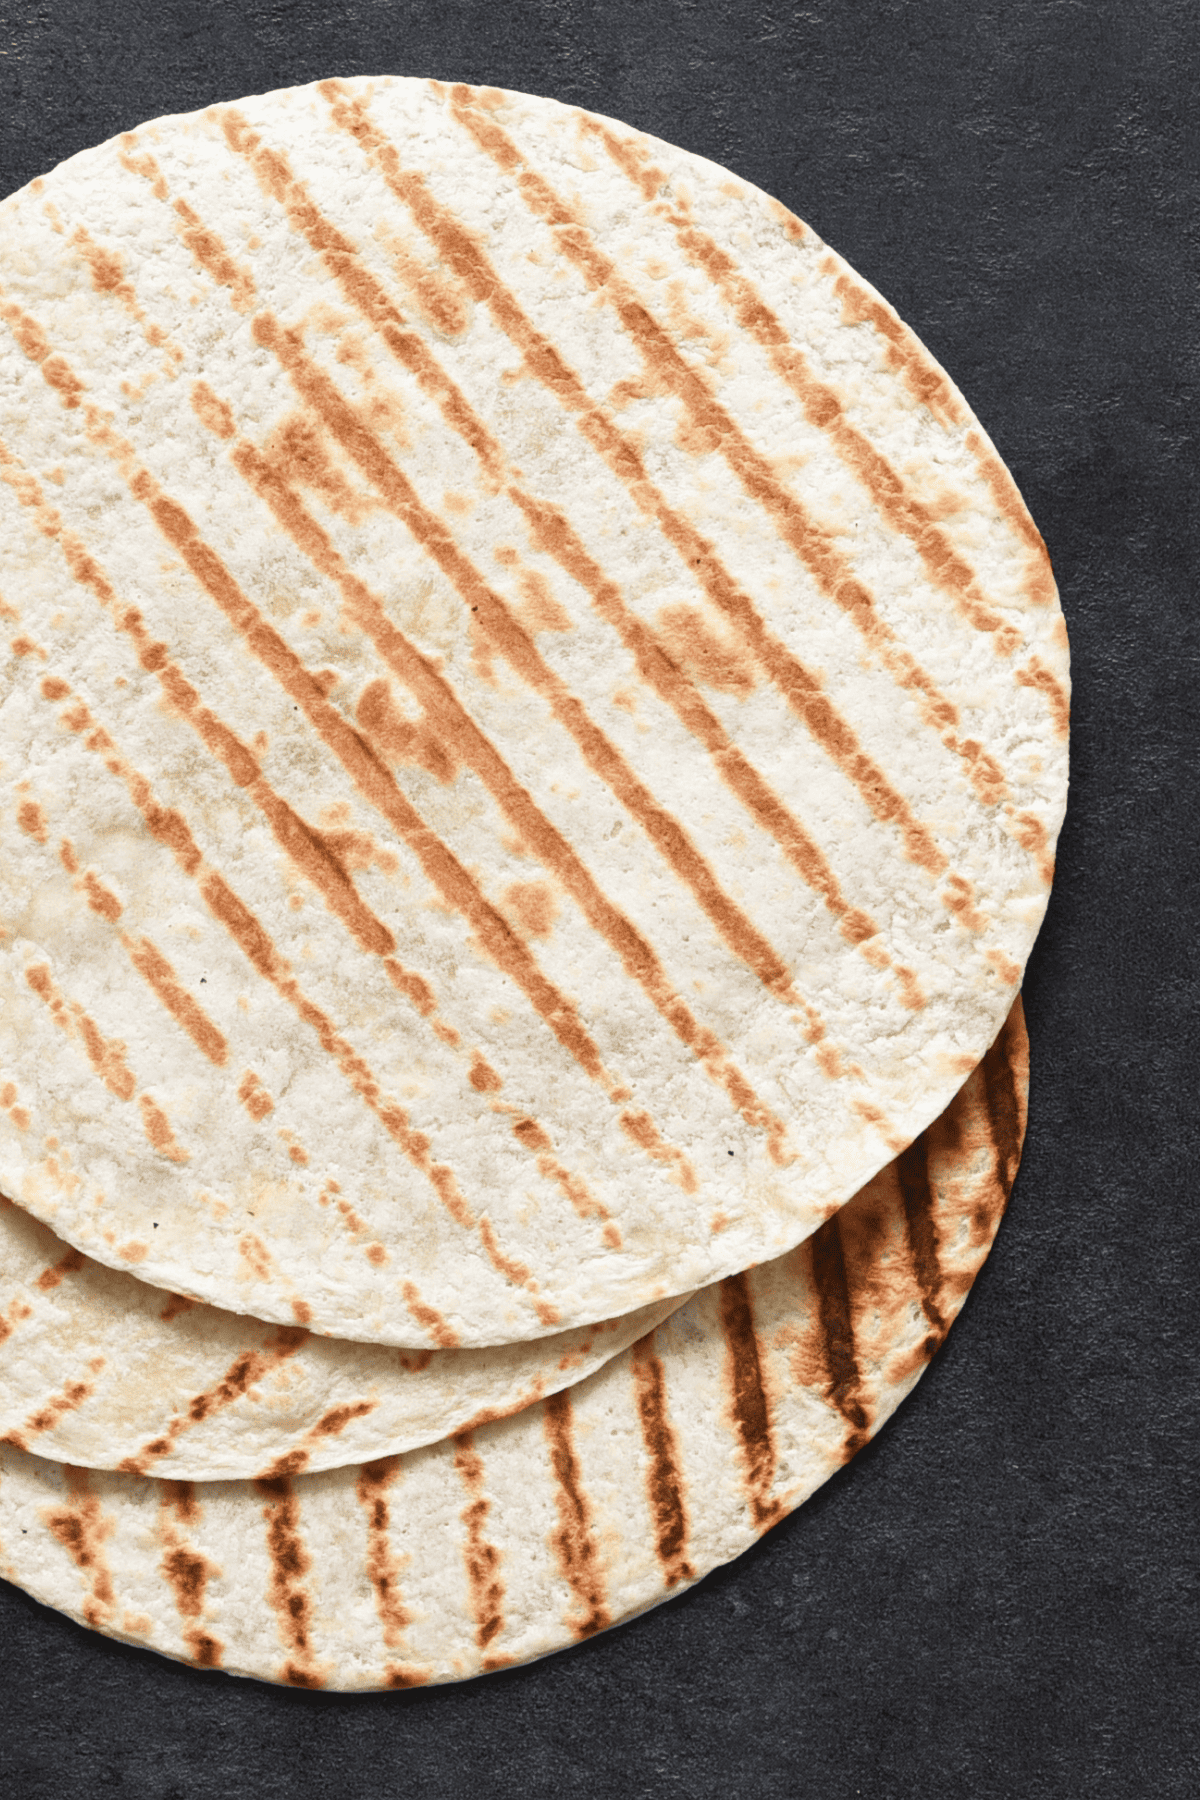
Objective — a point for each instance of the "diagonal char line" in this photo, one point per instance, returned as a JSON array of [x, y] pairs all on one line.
[[719, 432], [107, 1057], [150, 963], [551, 530], [799, 685], [247, 1367], [822, 407], [181, 532]]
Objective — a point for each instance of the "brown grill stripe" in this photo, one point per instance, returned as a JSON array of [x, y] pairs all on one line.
[[1003, 1095], [290, 1563], [716, 430], [70, 1264], [749, 1406], [550, 528], [917, 1192], [1039, 576], [247, 1367], [664, 1481], [187, 1573], [81, 1528], [799, 685], [153, 965], [574, 1542], [69, 1399], [822, 406], [371, 1490], [836, 1315], [286, 825], [106, 1055], [490, 611], [1037, 676], [481, 1557]]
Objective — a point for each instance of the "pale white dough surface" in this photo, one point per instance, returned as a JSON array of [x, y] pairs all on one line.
[[532, 720], [579, 1512]]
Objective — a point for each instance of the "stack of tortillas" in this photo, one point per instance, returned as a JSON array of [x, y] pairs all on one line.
[[532, 738]]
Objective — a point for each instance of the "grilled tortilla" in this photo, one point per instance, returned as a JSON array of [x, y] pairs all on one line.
[[533, 720]]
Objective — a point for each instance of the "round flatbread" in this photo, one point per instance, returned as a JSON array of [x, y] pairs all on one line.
[[99, 1369], [533, 725], [521, 1538]]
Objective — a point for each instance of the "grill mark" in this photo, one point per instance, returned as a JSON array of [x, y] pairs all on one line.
[[187, 1572], [70, 1264], [1003, 1094], [917, 1192], [150, 963], [31, 817], [574, 1542], [1037, 676], [252, 939], [9, 1098], [822, 406], [107, 270], [664, 1480], [81, 1528], [48, 1416], [286, 1594], [714, 429], [246, 1368], [749, 1406], [551, 530], [106, 1055], [454, 723], [482, 1558], [800, 687], [836, 1315], [489, 610], [371, 1490], [1039, 576], [153, 965]]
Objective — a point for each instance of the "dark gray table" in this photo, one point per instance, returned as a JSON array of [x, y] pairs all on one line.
[[998, 1596]]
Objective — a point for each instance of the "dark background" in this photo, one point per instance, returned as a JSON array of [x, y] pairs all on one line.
[[998, 1597]]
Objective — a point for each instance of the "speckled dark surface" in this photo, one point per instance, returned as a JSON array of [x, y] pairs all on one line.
[[999, 1596]]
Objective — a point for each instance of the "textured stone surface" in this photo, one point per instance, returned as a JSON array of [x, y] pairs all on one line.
[[998, 1596]]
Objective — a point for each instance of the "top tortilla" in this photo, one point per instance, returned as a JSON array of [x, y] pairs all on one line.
[[533, 723]]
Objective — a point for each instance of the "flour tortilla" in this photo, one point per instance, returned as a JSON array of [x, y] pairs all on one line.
[[533, 724], [531, 1533], [99, 1369]]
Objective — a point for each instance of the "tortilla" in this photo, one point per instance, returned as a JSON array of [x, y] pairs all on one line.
[[521, 1538], [99, 1369], [534, 720]]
